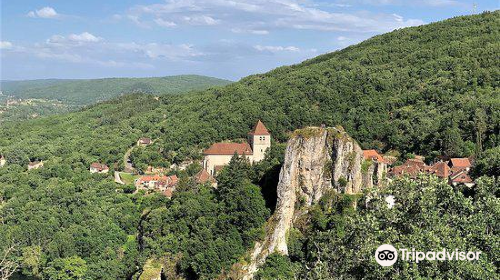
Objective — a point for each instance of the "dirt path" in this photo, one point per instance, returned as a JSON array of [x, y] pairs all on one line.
[[128, 167], [118, 179]]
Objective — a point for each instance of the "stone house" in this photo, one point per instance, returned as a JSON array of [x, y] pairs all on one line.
[[97, 167], [203, 177], [144, 141], [455, 171], [35, 165], [156, 182]]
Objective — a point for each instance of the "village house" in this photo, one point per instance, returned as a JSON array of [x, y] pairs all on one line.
[[3, 161], [456, 170], [379, 165], [156, 182], [461, 177], [458, 164], [203, 177], [460, 168], [144, 141], [35, 165], [372, 155], [411, 167], [97, 167], [440, 169], [220, 154]]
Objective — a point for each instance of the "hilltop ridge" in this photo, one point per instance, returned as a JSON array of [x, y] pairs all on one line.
[[89, 91]]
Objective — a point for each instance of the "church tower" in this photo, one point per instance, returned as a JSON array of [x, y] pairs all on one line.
[[260, 139]]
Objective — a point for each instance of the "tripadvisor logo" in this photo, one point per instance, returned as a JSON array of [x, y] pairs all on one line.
[[387, 255]]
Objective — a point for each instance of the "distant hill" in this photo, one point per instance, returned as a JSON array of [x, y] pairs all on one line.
[[85, 92]]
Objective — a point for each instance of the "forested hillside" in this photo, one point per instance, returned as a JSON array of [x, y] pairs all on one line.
[[432, 90], [84, 92]]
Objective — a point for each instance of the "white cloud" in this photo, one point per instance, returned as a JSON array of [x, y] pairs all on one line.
[[260, 16], [165, 23], [86, 48], [161, 51], [5, 45], [200, 20], [430, 3], [251, 31], [45, 12], [276, 48], [74, 39], [84, 37]]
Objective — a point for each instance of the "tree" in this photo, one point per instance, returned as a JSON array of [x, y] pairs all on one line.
[[428, 214], [481, 126], [276, 267], [8, 265], [488, 163], [452, 141], [72, 268], [32, 261]]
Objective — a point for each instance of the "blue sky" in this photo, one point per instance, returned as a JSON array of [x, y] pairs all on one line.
[[222, 38]]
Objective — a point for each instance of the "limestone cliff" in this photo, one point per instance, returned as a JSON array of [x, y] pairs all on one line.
[[316, 160]]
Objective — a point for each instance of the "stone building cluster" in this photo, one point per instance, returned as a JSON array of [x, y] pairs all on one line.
[[254, 149]]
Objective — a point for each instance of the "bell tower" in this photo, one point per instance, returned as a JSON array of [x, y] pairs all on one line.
[[260, 139]]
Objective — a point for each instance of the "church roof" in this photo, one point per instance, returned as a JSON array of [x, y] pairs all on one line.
[[229, 149], [259, 129]]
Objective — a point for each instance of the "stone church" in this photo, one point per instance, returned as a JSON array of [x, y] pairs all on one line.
[[219, 154]]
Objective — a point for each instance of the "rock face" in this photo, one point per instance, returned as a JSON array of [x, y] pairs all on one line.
[[316, 160]]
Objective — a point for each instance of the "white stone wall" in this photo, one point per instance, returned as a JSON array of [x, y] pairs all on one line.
[[260, 143], [211, 161]]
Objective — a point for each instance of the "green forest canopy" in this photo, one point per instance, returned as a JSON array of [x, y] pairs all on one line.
[[430, 89]]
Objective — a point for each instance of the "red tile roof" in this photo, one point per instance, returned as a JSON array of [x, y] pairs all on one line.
[[203, 176], [461, 177], [163, 180], [460, 162], [173, 179], [440, 169], [99, 166], [411, 167], [218, 168], [167, 193], [145, 140], [259, 129], [229, 149], [372, 155]]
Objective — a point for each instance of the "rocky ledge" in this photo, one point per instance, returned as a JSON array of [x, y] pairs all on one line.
[[317, 160]]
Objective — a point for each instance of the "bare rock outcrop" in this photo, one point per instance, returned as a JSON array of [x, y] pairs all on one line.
[[317, 160]]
